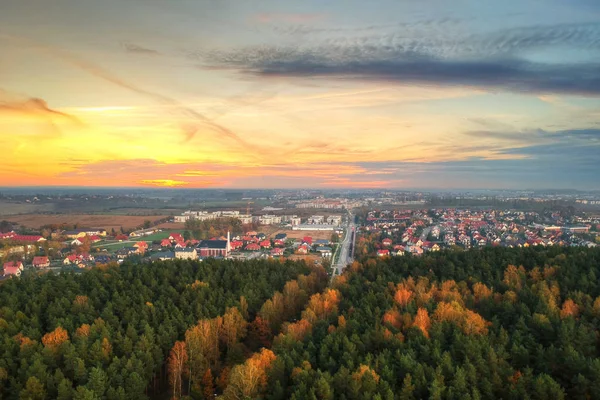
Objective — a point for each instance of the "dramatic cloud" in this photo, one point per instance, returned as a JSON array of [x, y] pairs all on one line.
[[491, 61]]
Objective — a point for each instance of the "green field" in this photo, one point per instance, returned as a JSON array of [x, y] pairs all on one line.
[[112, 245]]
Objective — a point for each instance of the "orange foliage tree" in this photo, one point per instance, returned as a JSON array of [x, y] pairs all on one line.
[[422, 321], [83, 331], [403, 295], [54, 339], [176, 365], [468, 321], [208, 386], [569, 309], [364, 369], [393, 318], [481, 292], [474, 324]]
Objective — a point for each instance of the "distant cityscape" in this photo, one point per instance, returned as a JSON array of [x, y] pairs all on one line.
[[313, 225]]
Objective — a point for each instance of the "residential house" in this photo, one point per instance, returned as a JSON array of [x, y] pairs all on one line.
[[41, 262], [176, 237], [141, 246], [277, 251], [383, 252], [102, 259], [13, 268], [252, 247], [303, 249], [308, 240], [265, 244], [126, 252], [121, 237], [387, 242], [281, 236], [165, 243]]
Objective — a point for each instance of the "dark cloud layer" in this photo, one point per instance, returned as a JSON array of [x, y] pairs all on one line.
[[495, 60]]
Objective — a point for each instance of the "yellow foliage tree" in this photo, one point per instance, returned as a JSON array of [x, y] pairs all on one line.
[[249, 380]]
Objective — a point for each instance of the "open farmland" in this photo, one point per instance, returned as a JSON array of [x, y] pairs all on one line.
[[108, 222]]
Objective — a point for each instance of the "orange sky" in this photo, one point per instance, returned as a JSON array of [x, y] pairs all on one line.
[[199, 95]]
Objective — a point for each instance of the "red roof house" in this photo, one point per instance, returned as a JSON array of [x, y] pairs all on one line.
[[70, 259], [95, 238], [176, 237], [277, 251], [302, 249], [13, 268], [387, 242], [41, 262], [308, 240], [253, 247], [121, 237], [165, 243], [236, 244], [279, 242], [27, 238], [383, 252], [265, 243]]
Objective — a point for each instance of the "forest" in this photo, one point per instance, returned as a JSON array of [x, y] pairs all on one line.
[[478, 324], [107, 333]]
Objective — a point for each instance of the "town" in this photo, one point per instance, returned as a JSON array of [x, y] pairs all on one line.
[[313, 239], [418, 231], [316, 238]]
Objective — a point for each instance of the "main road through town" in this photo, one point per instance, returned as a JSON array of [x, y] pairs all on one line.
[[347, 247]]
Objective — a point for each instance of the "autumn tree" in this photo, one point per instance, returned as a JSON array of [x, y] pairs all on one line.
[[422, 321], [53, 340], [208, 384], [83, 331], [569, 309], [259, 333], [249, 380], [202, 342], [403, 295], [176, 364], [393, 318], [481, 292], [364, 369], [234, 327], [513, 277]]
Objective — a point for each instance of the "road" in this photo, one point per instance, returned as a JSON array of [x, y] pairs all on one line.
[[345, 256]]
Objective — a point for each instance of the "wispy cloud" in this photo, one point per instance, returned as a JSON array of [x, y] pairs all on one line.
[[197, 119], [137, 49], [48, 122], [288, 17]]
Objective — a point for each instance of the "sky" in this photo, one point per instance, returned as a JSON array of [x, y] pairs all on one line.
[[391, 94]]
